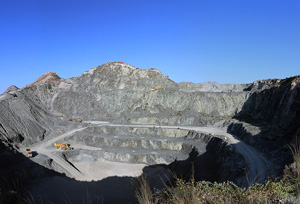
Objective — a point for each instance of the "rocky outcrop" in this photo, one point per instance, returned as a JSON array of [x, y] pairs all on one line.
[[47, 78], [262, 84], [11, 88]]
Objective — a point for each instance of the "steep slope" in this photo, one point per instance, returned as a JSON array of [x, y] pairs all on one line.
[[270, 120], [21, 120]]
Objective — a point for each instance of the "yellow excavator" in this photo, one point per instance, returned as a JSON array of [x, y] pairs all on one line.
[[59, 144], [63, 146], [157, 87]]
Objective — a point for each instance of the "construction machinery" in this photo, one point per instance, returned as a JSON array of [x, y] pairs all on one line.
[[63, 146], [59, 144], [79, 120], [170, 79], [29, 153], [157, 87]]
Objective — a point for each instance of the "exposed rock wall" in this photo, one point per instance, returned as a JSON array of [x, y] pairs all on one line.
[[270, 121], [279, 104], [21, 120], [121, 91], [271, 114]]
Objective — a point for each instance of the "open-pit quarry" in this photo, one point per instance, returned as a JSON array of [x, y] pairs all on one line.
[[119, 128]]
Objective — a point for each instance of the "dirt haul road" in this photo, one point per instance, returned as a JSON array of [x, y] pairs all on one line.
[[256, 162], [46, 148]]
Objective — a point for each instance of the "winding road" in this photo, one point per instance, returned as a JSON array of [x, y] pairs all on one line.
[[46, 148], [256, 162]]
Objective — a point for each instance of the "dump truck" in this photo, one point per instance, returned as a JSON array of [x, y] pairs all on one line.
[[79, 120], [29, 153], [157, 87], [59, 144]]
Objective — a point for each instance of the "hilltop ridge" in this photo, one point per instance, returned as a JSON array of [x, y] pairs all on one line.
[[11, 88], [48, 77]]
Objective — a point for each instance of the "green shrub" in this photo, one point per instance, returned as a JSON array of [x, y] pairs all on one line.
[[49, 86]]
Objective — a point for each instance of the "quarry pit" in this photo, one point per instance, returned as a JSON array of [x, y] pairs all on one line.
[[129, 129]]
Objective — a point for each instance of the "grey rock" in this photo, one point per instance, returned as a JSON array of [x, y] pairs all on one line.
[[116, 90], [11, 88], [21, 120]]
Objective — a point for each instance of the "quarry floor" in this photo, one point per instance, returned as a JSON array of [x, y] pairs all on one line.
[[103, 171], [88, 171]]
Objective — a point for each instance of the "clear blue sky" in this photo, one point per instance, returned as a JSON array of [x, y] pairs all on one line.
[[228, 41]]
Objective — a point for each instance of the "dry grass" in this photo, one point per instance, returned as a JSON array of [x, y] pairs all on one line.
[[185, 192], [144, 193]]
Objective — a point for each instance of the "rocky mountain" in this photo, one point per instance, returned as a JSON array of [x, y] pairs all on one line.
[[265, 115], [120, 91]]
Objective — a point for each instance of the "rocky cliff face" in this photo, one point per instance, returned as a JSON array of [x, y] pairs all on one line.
[[275, 112], [270, 120]]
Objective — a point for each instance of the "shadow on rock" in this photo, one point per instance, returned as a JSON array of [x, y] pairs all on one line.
[[270, 122]]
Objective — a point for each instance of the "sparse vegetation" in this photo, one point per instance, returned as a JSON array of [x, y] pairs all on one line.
[[287, 80], [184, 192], [144, 194], [49, 86], [39, 107], [292, 174]]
